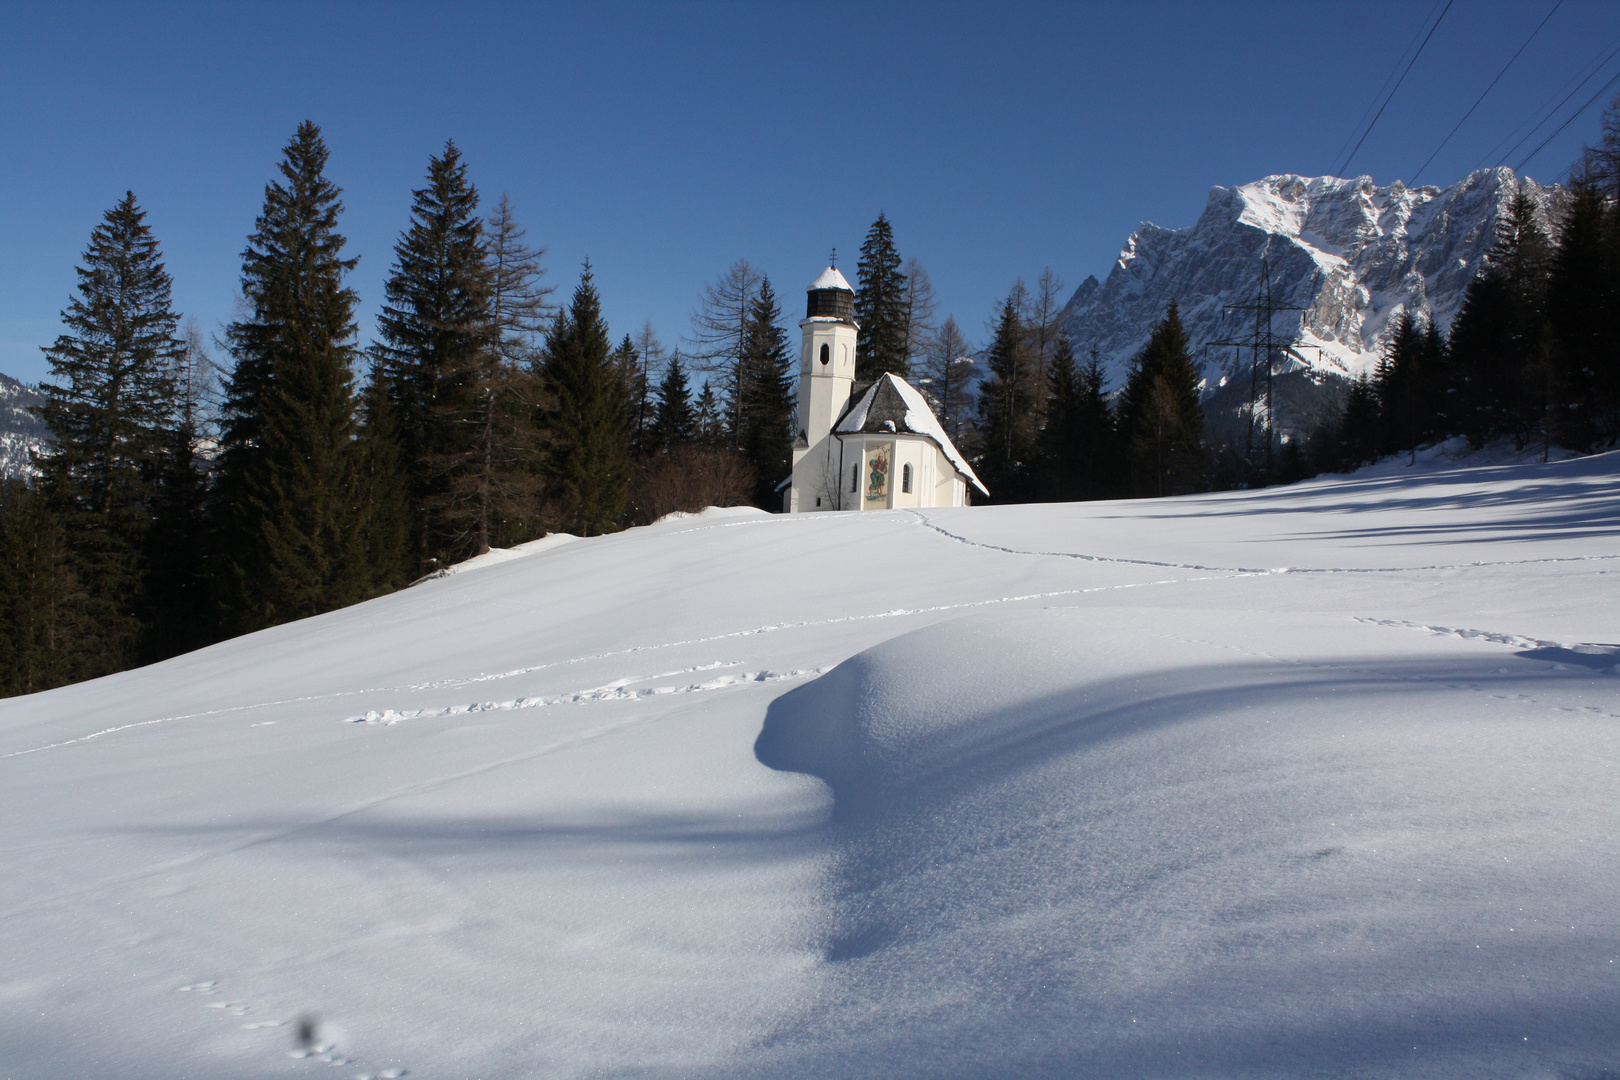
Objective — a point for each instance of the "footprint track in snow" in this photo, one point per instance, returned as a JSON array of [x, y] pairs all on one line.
[[315, 1041]]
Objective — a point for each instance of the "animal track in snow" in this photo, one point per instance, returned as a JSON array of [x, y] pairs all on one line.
[[1251, 570], [618, 690]]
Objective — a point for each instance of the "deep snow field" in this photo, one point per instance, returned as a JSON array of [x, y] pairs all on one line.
[[1315, 781]]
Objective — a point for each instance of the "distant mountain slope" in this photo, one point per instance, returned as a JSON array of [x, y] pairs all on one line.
[[20, 430], [1353, 254]]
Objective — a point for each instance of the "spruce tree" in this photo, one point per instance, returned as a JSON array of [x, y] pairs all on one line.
[[1160, 422], [287, 494], [439, 339], [46, 619], [1582, 320], [384, 510], [110, 402], [589, 418], [709, 421], [674, 423], [1005, 426], [766, 440], [1073, 448], [1399, 382], [883, 341], [178, 605]]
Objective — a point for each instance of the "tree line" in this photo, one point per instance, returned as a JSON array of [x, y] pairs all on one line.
[[181, 503]]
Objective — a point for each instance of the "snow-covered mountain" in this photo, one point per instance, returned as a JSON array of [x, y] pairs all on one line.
[[21, 432], [1351, 253]]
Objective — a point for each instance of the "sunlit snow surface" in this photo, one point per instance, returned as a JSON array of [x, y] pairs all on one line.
[[1316, 781]]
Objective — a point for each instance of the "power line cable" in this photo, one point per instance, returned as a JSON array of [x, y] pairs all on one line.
[[1346, 166], [1543, 111], [1615, 78], [1580, 82], [1487, 90], [1396, 66]]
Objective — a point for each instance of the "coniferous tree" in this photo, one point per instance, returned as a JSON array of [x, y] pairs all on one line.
[[1400, 383], [507, 484], [766, 440], [882, 343], [917, 308], [287, 496], [674, 423], [110, 403], [519, 302], [178, 605], [944, 375], [384, 511], [720, 332], [1006, 428], [1353, 439], [45, 616], [632, 366], [1061, 445], [1073, 450], [1582, 321], [710, 423], [588, 419], [1160, 422], [439, 346]]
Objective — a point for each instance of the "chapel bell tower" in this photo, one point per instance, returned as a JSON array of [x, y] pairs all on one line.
[[827, 364]]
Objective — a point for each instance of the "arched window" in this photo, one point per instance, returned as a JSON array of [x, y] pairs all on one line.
[[826, 353], [905, 479], [854, 479]]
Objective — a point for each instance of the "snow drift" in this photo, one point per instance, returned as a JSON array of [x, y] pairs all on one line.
[[1315, 780]]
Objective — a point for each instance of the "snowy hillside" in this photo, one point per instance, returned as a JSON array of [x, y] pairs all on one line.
[[1353, 254], [21, 432], [1311, 781]]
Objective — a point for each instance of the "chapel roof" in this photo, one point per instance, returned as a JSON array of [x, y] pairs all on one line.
[[893, 406]]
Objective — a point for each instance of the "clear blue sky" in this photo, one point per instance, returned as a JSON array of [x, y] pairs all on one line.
[[666, 140]]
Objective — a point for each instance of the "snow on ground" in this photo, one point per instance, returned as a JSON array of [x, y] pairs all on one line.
[[1307, 781]]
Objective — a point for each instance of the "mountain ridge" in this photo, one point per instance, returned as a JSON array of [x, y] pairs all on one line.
[[1351, 254]]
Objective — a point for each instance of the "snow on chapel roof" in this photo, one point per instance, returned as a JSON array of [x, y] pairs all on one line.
[[830, 279], [893, 405]]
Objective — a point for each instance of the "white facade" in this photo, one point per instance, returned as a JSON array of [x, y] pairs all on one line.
[[886, 451]]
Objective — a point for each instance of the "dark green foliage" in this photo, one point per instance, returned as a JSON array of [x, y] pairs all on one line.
[[1007, 434], [47, 636], [1412, 385], [288, 493], [1353, 438], [1074, 451], [765, 438], [384, 510], [177, 603], [709, 423], [439, 341], [674, 423], [589, 416], [1160, 422], [881, 306], [1582, 320], [110, 405]]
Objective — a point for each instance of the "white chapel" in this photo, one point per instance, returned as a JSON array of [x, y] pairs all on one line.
[[883, 450]]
